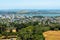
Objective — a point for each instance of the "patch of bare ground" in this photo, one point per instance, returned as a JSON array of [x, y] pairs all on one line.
[[52, 35]]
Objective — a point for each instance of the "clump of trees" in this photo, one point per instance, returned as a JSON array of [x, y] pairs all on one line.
[[30, 33]]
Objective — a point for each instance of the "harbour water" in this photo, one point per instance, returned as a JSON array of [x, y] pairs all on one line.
[[30, 14]]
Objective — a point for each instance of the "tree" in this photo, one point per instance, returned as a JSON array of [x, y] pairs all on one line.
[[28, 33]]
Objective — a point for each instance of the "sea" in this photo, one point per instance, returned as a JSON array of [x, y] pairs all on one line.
[[30, 14]]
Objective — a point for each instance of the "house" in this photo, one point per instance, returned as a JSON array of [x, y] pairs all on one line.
[[9, 38], [14, 30], [10, 29]]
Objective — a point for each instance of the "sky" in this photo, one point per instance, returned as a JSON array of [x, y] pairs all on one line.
[[29, 4]]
